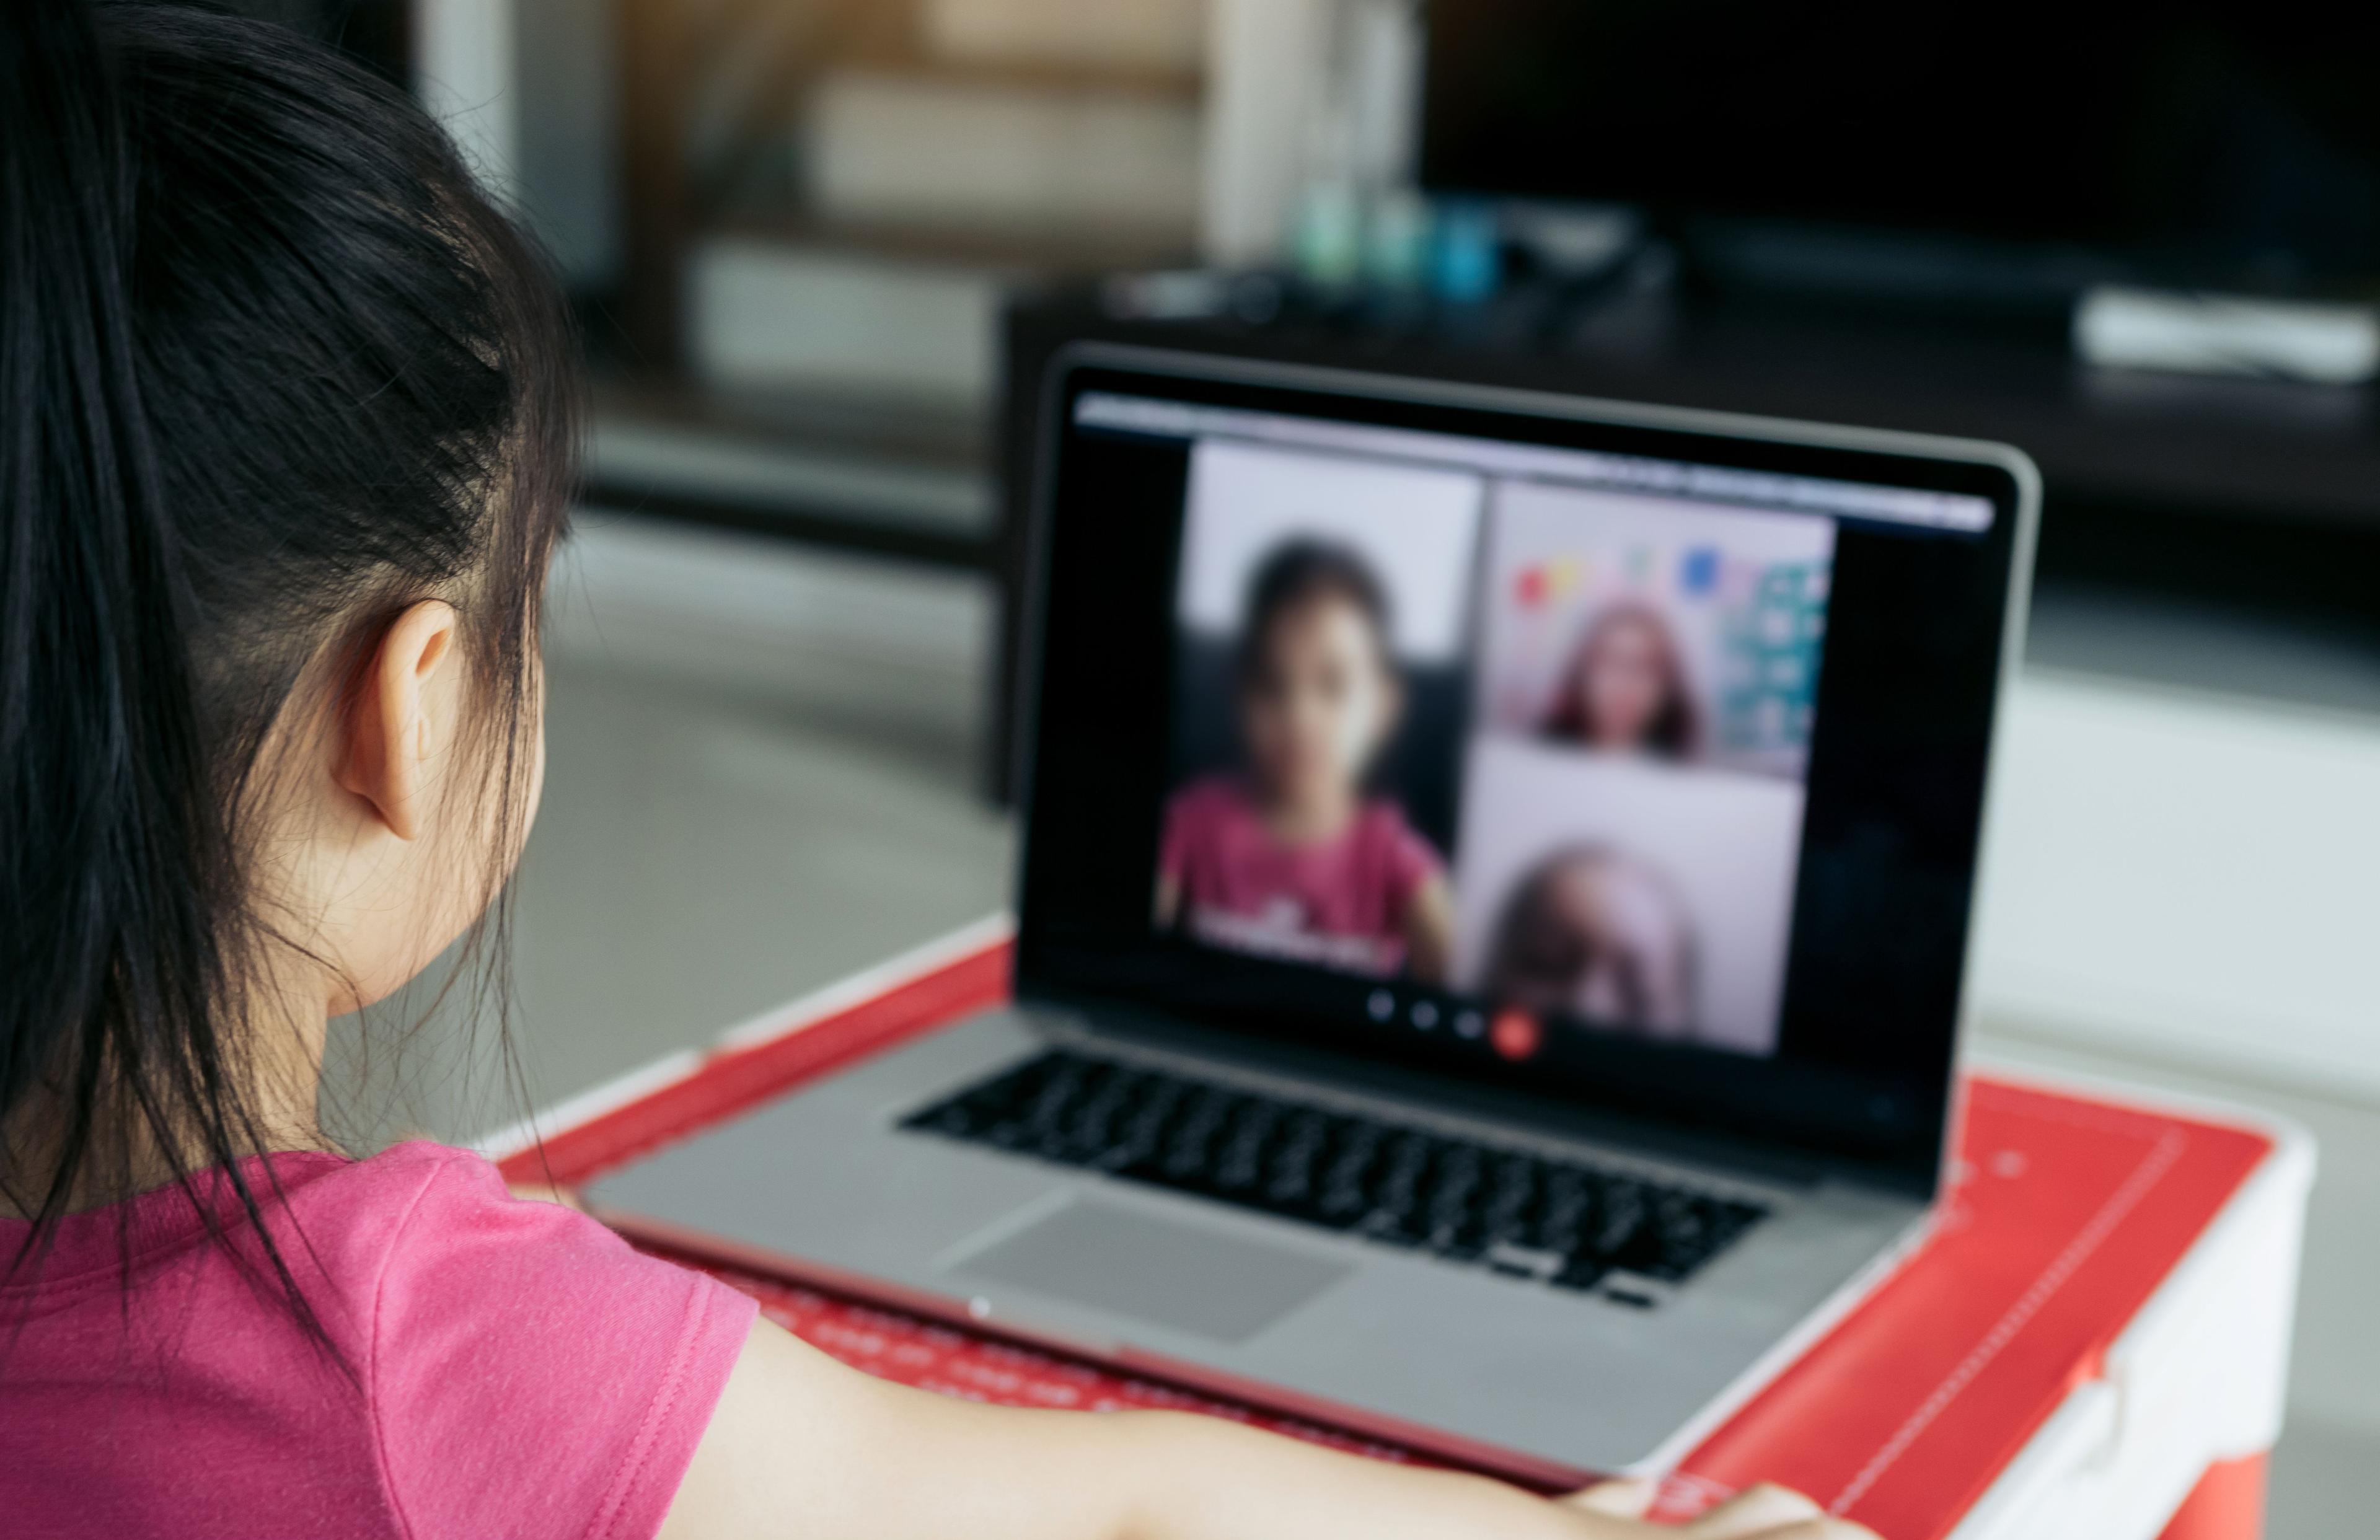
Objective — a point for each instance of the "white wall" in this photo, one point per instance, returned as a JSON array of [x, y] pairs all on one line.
[[2188, 878], [1271, 65], [1264, 60], [568, 148], [464, 53]]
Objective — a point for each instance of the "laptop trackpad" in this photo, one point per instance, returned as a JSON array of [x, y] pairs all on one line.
[[1173, 1275]]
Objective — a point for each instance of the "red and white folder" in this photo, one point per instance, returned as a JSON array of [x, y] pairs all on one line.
[[2094, 1343]]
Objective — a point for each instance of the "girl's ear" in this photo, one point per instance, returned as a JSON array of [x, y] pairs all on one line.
[[397, 717]]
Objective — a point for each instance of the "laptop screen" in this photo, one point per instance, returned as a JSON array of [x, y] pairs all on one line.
[[1633, 766]]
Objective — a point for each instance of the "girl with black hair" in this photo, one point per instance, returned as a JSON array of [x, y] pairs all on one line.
[[1288, 854], [285, 432]]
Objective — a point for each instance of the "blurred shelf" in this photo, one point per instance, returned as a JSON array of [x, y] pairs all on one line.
[[2260, 448], [888, 476], [2235, 448], [1056, 77], [1036, 248]]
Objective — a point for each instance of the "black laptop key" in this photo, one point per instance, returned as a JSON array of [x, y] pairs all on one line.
[[1511, 1211], [1456, 1241], [1642, 1252], [1620, 1216], [1343, 1203], [1579, 1273]]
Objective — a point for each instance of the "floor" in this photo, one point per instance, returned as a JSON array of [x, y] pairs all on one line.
[[761, 772]]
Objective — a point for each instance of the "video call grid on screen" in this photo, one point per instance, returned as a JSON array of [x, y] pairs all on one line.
[[1529, 725]]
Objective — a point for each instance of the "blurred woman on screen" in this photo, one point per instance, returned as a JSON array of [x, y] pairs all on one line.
[[1626, 690]]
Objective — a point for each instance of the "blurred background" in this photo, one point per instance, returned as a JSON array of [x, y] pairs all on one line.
[[821, 248]]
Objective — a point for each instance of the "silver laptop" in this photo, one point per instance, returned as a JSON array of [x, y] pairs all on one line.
[[1495, 899]]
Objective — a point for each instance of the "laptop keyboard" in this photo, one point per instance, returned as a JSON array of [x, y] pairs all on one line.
[[1509, 1210]]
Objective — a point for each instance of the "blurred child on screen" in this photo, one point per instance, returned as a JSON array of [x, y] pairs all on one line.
[[1288, 857], [1601, 935], [1626, 689]]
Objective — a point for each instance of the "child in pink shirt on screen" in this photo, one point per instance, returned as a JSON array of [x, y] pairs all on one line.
[[1289, 858]]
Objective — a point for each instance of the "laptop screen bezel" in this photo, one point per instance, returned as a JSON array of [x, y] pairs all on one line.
[[1736, 1091]]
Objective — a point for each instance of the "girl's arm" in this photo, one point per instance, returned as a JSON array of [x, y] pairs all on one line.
[[801, 1446]]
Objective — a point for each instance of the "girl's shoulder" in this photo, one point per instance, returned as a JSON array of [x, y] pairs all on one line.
[[489, 1311], [1382, 826], [362, 1218], [1210, 803], [339, 1213], [497, 1365], [1216, 789], [448, 1239], [1383, 818]]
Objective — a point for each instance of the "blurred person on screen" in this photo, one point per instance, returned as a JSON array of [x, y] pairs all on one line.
[[1598, 935], [1626, 689], [1289, 855]]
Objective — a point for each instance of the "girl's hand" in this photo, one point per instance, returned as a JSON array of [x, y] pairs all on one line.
[[1762, 1512]]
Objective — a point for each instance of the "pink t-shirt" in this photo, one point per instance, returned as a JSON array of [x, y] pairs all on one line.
[[519, 1371], [1341, 903]]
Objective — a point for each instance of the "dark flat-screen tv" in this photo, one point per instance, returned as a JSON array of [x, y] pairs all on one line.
[[2217, 142]]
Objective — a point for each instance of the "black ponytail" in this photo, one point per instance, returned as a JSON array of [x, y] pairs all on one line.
[[270, 370]]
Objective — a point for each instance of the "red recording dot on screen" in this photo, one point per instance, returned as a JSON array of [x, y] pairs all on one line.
[[1515, 1034]]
